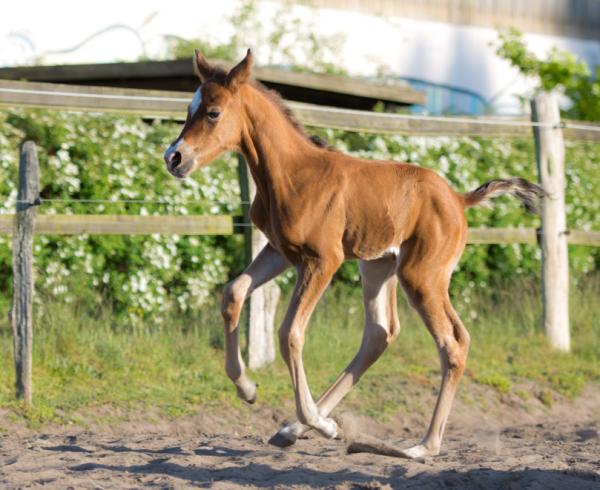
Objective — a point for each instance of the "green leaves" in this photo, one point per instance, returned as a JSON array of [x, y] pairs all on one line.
[[290, 41], [561, 70]]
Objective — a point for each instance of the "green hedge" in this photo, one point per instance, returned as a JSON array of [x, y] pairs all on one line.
[[118, 158], [109, 157]]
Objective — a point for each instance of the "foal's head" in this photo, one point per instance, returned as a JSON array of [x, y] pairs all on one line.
[[213, 124]]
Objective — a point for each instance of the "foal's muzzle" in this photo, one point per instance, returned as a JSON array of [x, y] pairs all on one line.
[[179, 158]]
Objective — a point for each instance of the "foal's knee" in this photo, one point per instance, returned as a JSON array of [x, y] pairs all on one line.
[[234, 295]]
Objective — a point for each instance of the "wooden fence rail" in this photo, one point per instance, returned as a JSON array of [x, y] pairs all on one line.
[[118, 224], [77, 224], [173, 105]]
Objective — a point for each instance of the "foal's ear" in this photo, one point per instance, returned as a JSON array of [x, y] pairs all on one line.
[[240, 73], [202, 68]]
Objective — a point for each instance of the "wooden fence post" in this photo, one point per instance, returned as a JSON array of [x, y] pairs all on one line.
[[550, 153], [262, 304], [22, 314]]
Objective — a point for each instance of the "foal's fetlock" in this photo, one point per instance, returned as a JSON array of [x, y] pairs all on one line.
[[328, 428]]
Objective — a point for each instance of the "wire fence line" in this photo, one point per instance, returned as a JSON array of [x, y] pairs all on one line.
[[93, 95], [92, 219], [411, 117], [583, 127], [42, 200]]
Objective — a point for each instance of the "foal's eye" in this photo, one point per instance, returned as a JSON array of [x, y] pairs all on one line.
[[213, 115]]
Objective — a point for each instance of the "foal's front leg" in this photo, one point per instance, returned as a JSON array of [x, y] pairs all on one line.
[[312, 280], [268, 264]]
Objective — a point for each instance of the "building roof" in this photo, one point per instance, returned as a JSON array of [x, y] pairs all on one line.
[[177, 75]]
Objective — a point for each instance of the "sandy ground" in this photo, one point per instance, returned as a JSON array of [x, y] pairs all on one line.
[[507, 446]]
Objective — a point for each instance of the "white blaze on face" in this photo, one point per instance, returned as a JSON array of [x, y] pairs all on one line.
[[180, 144], [196, 101]]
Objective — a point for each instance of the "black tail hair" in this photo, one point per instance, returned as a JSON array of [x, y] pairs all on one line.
[[527, 192]]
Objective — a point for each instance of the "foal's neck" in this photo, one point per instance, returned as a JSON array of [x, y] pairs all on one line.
[[273, 147]]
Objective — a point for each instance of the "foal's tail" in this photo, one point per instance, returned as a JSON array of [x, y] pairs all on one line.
[[522, 189]]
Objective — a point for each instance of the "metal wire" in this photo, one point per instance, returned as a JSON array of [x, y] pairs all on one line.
[[91, 95], [130, 201], [584, 127]]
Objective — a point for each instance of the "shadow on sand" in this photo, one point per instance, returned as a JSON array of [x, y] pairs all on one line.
[[264, 476]]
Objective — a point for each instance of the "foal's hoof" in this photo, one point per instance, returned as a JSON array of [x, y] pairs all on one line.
[[282, 440], [287, 435], [247, 391]]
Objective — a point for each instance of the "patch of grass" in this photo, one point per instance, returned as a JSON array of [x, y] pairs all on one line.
[[82, 362], [522, 394], [495, 380], [546, 397]]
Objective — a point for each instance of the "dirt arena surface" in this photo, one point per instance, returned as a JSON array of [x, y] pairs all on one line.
[[503, 447]]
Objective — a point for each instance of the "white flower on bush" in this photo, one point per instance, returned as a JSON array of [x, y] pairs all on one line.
[[139, 283], [197, 292]]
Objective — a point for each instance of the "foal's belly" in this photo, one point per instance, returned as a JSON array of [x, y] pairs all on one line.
[[373, 241]]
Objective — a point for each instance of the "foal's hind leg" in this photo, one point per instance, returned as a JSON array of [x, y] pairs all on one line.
[[380, 329], [314, 276], [427, 290]]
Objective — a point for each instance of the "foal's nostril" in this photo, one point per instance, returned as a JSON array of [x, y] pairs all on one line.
[[174, 160]]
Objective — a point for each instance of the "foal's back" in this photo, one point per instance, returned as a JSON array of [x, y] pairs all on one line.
[[387, 203]]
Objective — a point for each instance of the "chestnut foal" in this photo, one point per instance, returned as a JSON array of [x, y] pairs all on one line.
[[317, 208]]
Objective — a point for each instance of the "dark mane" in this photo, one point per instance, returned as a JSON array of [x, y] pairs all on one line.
[[276, 98]]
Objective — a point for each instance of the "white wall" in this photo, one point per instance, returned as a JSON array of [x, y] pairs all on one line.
[[456, 55], [460, 56]]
